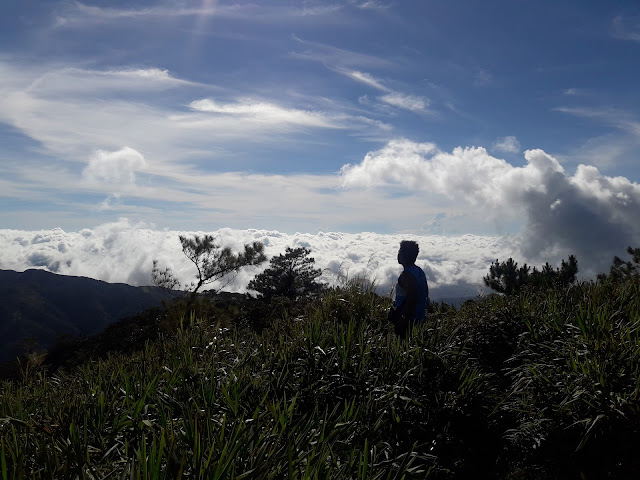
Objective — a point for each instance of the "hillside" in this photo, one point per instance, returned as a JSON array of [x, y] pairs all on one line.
[[42, 306], [543, 385]]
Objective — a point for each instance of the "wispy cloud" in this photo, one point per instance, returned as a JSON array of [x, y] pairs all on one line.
[[78, 14], [373, 5], [406, 102], [616, 118], [261, 111], [367, 79], [509, 144], [626, 27], [607, 151], [573, 92], [335, 57], [482, 78], [392, 97], [83, 119], [77, 81], [344, 61], [74, 111]]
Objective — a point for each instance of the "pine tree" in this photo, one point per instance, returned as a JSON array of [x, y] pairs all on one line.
[[212, 263], [507, 278], [622, 270], [290, 275]]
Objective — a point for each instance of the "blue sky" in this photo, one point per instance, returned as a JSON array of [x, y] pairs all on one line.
[[428, 117]]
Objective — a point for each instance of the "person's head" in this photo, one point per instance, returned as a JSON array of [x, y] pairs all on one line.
[[408, 252]]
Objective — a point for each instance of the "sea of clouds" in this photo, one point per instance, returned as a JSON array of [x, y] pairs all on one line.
[[123, 252]]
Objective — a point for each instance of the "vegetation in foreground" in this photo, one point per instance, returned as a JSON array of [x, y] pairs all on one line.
[[545, 384]]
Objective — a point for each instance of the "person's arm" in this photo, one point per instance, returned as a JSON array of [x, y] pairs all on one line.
[[409, 284]]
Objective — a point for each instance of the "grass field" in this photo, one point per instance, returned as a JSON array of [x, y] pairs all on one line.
[[542, 385]]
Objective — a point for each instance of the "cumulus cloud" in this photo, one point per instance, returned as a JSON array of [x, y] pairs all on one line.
[[117, 167], [508, 144], [587, 213], [123, 251]]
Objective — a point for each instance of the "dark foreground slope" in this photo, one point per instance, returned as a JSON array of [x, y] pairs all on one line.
[[540, 386], [37, 306]]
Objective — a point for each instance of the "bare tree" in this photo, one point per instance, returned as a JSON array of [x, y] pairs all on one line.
[[212, 261]]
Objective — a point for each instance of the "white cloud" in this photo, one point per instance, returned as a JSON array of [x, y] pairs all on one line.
[[373, 5], [73, 81], [367, 79], [413, 103], [72, 112], [593, 215], [264, 112], [509, 144], [123, 252], [118, 167], [406, 102]]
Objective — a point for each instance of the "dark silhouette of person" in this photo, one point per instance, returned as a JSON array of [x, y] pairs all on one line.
[[412, 291]]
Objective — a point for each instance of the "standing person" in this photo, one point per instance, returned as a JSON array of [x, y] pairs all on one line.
[[412, 291]]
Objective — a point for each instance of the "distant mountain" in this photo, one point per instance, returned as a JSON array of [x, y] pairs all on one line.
[[40, 306]]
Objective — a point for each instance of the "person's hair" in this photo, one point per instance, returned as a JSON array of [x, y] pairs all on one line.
[[410, 249]]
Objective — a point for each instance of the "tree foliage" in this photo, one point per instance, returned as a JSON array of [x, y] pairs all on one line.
[[622, 270], [290, 275], [212, 261], [507, 278]]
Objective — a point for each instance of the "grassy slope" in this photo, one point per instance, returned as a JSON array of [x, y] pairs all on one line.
[[544, 385]]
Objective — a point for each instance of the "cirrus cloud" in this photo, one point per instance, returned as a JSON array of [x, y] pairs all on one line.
[[266, 112]]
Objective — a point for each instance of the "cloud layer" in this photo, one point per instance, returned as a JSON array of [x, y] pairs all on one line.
[[123, 252]]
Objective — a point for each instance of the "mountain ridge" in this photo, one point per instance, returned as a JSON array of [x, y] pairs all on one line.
[[38, 306]]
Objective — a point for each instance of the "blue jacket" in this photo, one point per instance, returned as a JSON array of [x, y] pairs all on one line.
[[423, 293]]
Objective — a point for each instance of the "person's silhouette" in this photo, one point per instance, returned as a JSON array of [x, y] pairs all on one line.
[[412, 291]]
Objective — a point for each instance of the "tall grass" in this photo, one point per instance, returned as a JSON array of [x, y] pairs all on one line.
[[540, 383]]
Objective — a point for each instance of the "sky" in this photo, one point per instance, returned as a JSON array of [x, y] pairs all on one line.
[[481, 129]]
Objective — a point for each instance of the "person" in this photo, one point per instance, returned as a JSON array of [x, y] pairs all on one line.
[[412, 291]]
